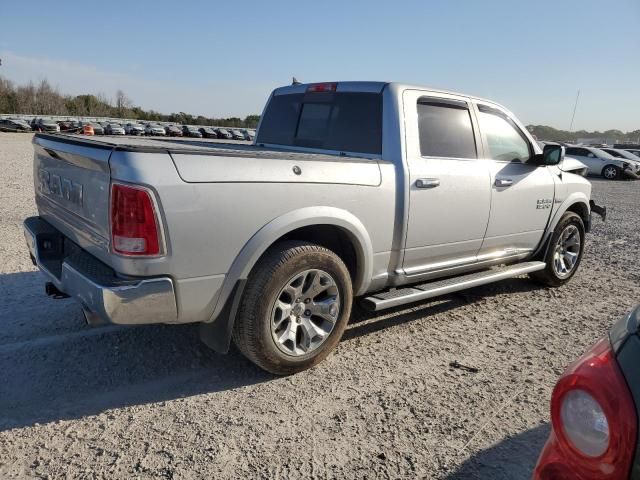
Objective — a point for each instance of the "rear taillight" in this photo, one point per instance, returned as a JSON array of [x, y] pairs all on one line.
[[594, 421], [322, 87], [134, 223]]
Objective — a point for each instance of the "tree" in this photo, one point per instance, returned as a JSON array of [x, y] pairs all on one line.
[[8, 100], [48, 99], [251, 121], [123, 103]]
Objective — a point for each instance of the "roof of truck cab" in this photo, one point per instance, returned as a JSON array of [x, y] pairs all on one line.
[[376, 87], [195, 146]]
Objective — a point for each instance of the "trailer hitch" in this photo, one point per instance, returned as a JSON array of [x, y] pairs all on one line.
[[53, 291]]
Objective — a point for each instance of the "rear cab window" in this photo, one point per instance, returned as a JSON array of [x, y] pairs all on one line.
[[340, 121]]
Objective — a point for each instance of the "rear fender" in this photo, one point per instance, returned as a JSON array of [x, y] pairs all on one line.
[[217, 331]]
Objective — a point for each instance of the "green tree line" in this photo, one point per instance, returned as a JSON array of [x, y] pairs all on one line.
[[43, 99], [543, 132]]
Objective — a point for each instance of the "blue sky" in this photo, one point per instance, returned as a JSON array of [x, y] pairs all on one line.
[[223, 58]]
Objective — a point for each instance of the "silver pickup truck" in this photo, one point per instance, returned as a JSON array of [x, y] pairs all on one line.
[[378, 193]]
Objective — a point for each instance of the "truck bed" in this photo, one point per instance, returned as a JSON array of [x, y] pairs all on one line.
[[201, 146]]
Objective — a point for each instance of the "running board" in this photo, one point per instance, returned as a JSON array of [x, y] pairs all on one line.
[[415, 293]]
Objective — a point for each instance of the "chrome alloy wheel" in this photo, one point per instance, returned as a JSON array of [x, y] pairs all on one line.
[[566, 251], [305, 312], [610, 173]]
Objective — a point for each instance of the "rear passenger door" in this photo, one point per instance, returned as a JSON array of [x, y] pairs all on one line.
[[522, 193], [449, 188]]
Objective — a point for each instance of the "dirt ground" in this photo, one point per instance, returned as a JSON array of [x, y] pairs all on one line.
[[152, 402]]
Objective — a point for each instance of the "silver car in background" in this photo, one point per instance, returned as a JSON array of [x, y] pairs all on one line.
[[604, 164], [236, 134], [619, 153], [154, 129], [47, 125], [134, 129], [249, 134], [114, 129]]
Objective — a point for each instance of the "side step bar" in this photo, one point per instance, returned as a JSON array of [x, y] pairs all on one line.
[[415, 293]]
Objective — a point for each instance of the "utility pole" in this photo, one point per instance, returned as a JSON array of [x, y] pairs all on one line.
[[574, 111]]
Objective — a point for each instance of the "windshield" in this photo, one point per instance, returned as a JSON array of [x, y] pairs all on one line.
[[601, 153], [627, 155]]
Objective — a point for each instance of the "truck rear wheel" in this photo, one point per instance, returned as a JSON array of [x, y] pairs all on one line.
[[295, 307], [564, 252]]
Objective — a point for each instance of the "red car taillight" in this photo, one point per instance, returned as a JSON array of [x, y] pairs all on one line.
[[594, 421], [134, 224]]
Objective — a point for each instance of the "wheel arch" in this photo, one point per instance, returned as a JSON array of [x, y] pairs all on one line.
[[331, 227], [583, 210], [577, 202], [314, 224]]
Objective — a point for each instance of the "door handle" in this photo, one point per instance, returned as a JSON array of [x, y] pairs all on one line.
[[427, 182], [503, 182]]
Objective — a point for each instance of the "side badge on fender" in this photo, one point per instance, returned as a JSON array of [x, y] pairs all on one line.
[[543, 203]]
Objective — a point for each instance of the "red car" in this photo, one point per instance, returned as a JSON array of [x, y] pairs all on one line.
[[594, 411], [173, 131]]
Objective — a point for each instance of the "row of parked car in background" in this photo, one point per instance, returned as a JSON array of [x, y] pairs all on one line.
[[612, 162], [609, 161], [116, 127]]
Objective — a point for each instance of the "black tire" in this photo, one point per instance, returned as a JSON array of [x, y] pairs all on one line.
[[549, 276], [252, 331], [611, 172]]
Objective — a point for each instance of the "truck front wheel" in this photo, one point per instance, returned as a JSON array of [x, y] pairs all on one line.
[[564, 252], [295, 307]]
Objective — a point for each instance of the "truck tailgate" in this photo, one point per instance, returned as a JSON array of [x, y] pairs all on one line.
[[72, 184]]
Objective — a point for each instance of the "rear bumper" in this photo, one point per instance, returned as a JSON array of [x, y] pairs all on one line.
[[105, 296]]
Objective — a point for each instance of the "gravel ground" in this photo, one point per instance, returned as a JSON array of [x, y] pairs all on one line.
[[152, 402]]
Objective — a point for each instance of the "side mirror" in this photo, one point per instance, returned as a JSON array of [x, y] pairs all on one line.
[[551, 155]]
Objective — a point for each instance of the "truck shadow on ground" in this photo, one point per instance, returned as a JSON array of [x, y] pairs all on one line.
[[514, 458], [55, 367], [365, 323]]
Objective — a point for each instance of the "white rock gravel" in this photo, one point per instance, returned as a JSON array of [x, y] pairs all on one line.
[[152, 402]]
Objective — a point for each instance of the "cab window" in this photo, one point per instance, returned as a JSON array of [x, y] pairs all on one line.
[[445, 130], [504, 140]]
